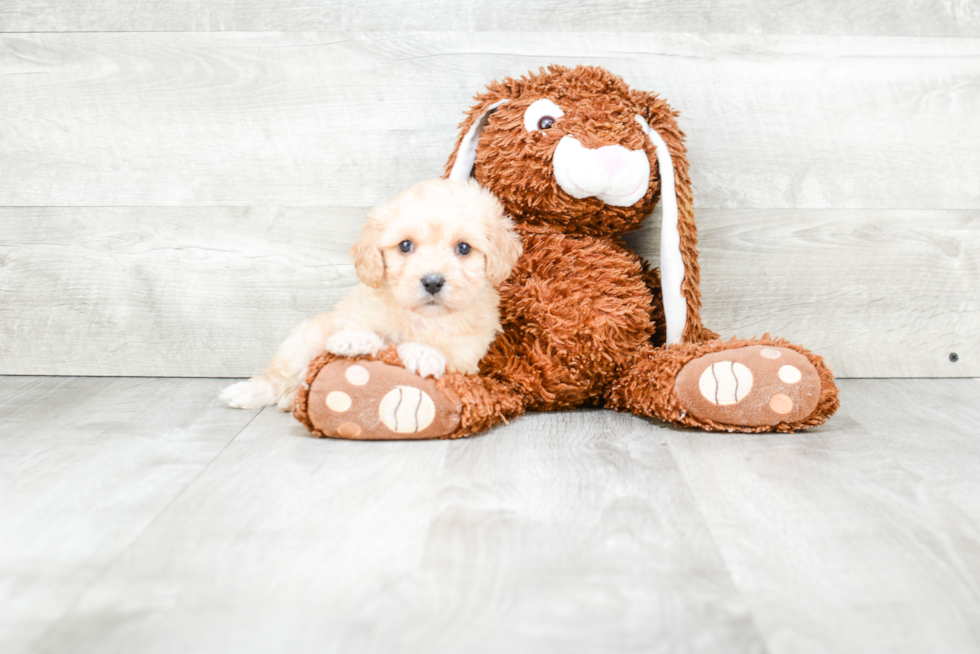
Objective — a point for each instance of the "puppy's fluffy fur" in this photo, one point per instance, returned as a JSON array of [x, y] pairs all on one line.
[[450, 329]]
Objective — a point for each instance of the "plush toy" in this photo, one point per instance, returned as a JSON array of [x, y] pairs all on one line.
[[579, 159]]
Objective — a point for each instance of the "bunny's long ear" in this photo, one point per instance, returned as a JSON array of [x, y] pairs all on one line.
[[680, 274], [460, 165]]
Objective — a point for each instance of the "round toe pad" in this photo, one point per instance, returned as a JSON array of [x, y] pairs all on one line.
[[751, 386], [371, 400]]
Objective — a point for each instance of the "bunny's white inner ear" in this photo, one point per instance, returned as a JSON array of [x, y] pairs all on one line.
[[671, 261], [466, 155]]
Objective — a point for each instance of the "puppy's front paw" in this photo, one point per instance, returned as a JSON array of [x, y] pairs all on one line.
[[354, 342], [250, 394], [424, 360], [285, 402]]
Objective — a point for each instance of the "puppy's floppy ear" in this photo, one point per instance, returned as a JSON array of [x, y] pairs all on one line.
[[504, 245], [505, 249], [366, 252]]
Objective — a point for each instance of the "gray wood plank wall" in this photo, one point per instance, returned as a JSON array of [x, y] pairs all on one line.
[[876, 17], [172, 203]]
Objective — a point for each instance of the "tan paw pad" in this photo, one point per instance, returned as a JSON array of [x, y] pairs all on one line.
[[725, 382], [371, 400], [406, 410], [750, 386], [781, 404], [338, 401], [349, 430], [357, 375], [790, 374]]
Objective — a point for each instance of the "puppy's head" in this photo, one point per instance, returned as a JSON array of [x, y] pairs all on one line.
[[437, 246]]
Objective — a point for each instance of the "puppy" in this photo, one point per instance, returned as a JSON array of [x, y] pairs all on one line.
[[429, 263]]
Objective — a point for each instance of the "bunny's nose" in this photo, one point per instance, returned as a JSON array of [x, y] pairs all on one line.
[[612, 158], [433, 283]]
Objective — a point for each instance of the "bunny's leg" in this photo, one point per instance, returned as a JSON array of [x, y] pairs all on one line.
[[375, 398], [757, 385]]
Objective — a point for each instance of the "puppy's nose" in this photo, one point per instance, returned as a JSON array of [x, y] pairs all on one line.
[[433, 283]]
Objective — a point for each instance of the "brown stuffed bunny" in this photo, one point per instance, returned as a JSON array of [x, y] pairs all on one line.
[[578, 159]]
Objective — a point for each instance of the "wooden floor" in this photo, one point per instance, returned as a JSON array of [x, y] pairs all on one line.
[[138, 515]]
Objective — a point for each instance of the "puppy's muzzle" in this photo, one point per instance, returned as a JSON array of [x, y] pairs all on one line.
[[433, 283]]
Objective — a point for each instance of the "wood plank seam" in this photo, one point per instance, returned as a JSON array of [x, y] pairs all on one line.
[[107, 568], [703, 518]]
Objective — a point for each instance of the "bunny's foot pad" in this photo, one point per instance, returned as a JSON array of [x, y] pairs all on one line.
[[754, 386], [371, 400]]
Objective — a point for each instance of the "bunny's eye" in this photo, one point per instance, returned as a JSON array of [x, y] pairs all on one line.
[[406, 246], [463, 249], [541, 115]]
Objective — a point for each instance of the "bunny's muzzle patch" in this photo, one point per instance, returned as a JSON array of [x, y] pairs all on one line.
[[614, 174]]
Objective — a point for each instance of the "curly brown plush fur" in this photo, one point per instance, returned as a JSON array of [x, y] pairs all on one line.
[[484, 402], [635, 393], [599, 109], [582, 315]]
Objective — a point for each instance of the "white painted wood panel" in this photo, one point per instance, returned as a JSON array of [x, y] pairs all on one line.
[[328, 119], [862, 536], [896, 18], [561, 533], [878, 293], [213, 291], [164, 291], [86, 465]]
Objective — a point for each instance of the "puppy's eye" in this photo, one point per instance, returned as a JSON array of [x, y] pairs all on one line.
[[406, 246], [541, 115], [463, 249]]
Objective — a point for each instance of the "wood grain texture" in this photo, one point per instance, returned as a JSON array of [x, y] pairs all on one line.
[[164, 291], [340, 118], [136, 521], [565, 533], [899, 18], [878, 293], [86, 465], [213, 291], [862, 536]]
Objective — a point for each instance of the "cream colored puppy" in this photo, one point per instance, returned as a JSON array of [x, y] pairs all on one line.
[[429, 263]]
